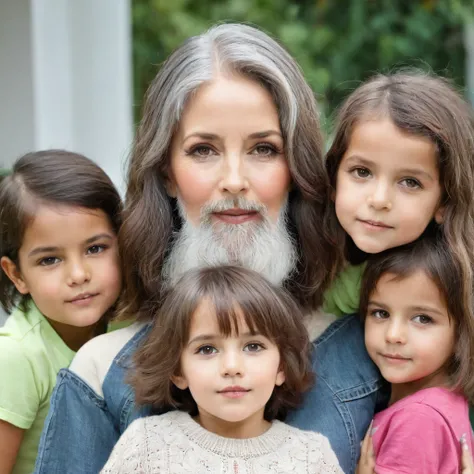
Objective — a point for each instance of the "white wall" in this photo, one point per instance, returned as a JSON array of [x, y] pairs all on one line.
[[16, 81], [65, 79]]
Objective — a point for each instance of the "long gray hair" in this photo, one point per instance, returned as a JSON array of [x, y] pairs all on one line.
[[151, 216]]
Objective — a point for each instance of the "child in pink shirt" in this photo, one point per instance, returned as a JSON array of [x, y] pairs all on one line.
[[419, 330]]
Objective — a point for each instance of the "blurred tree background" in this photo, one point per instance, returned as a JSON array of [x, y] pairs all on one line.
[[337, 43]]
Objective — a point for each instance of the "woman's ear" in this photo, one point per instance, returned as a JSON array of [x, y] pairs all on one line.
[[170, 186], [180, 381], [12, 271]]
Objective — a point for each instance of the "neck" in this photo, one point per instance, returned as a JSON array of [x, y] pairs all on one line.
[[402, 390], [248, 428], [75, 337]]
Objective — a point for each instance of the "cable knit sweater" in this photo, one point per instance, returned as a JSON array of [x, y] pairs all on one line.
[[174, 443]]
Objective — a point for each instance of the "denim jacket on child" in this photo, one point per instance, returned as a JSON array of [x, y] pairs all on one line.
[[83, 426]]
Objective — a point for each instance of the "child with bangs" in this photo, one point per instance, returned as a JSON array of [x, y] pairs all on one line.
[[421, 336], [230, 353]]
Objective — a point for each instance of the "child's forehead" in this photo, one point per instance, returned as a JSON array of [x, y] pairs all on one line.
[[204, 319]]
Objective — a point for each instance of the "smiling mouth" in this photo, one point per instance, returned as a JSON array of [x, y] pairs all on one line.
[[375, 224], [395, 357], [84, 297]]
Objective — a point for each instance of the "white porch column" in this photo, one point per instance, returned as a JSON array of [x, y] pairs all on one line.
[[82, 79], [65, 80]]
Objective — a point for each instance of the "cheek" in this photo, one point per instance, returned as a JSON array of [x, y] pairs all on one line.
[[344, 196], [271, 186], [372, 335], [45, 290], [195, 184]]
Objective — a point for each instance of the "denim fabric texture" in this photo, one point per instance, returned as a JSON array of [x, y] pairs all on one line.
[[82, 428]]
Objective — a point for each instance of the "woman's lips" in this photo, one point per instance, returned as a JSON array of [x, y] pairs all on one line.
[[236, 216]]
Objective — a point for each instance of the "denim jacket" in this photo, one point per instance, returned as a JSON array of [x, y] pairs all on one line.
[[82, 427]]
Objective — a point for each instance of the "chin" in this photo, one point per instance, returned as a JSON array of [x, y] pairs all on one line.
[[371, 248]]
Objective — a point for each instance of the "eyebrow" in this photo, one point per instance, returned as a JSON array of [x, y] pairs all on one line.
[[210, 337], [427, 309], [405, 171], [421, 309], [376, 303], [212, 136], [90, 240]]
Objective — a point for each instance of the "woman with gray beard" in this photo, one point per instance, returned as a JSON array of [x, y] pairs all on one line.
[[227, 167]]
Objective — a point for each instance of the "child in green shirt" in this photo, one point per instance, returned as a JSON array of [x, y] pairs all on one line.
[[59, 218]]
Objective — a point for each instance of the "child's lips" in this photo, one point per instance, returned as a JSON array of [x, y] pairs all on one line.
[[234, 392], [375, 225], [395, 358], [82, 298]]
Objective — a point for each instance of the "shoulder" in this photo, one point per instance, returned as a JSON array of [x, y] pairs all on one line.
[[307, 438], [93, 360], [412, 435], [317, 448], [14, 354], [436, 403], [413, 420]]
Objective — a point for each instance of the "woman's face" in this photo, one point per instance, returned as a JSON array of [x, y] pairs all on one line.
[[229, 147]]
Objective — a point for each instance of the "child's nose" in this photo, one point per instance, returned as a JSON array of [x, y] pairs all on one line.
[[395, 333], [380, 198], [79, 273], [232, 364]]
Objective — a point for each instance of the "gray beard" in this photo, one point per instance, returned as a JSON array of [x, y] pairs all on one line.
[[262, 246]]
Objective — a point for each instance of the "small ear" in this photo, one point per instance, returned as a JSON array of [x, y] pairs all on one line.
[[180, 382], [171, 188], [13, 272], [280, 378], [439, 215]]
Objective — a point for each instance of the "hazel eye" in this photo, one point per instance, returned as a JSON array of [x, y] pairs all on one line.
[[201, 152], [264, 150]]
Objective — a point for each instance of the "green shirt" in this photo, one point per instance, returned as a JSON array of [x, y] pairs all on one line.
[[31, 355], [344, 295]]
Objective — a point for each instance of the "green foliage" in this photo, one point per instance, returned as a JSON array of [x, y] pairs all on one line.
[[337, 43]]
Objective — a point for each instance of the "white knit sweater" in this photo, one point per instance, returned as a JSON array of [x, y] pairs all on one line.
[[174, 443]]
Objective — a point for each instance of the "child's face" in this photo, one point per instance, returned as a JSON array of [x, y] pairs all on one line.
[[408, 332], [231, 379], [387, 186], [69, 264]]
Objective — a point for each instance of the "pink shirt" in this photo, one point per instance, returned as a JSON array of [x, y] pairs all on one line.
[[420, 434]]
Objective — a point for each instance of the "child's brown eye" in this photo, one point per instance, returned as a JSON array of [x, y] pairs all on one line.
[[48, 261], [253, 347], [206, 350], [360, 172]]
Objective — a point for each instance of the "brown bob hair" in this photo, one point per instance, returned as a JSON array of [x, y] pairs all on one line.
[[233, 292], [432, 256], [151, 217], [50, 177]]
